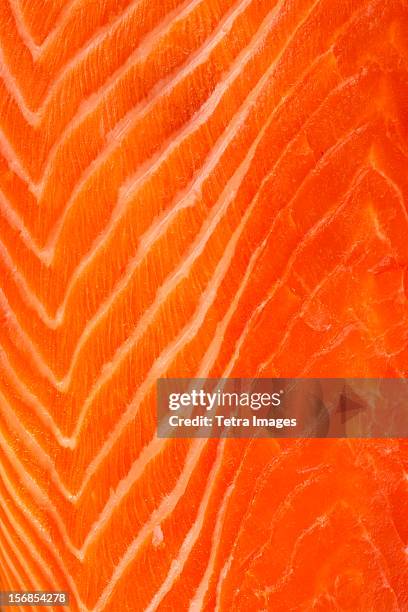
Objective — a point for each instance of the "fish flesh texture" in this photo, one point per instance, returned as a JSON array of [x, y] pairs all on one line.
[[199, 188]]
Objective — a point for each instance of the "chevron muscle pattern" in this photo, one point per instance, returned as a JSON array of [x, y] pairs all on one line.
[[192, 189]]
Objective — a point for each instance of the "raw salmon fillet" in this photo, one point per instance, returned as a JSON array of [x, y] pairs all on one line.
[[207, 188]]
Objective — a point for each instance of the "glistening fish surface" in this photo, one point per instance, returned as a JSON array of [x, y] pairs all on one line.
[[198, 189]]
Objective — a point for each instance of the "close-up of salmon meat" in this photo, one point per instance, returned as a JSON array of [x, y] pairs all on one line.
[[199, 189]]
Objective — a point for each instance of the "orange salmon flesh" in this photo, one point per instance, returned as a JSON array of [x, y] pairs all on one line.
[[194, 189]]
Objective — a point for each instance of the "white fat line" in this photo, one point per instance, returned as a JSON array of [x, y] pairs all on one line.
[[320, 522], [283, 277], [64, 14], [329, 217], [109, 31], [286, 504], [72, 8], [32, 400], [8, 570], [16, 222], [128, 123], [193, 534], [44, 501], [391, 184], [26, 341], [23, 30], [158, 516], [21, 532], [147, 454], [10, 83], [9, 153], [148, 43], [100, 97], [22, 559], [40, 497], [383, 564], [334, 343], [33, 118], [197, 602], [38, 527], [31, 443]]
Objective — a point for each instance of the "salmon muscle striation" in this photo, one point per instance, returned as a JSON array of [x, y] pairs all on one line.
[[199, 188]]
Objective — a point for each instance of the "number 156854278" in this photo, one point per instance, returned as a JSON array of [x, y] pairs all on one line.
[[32, 598]]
